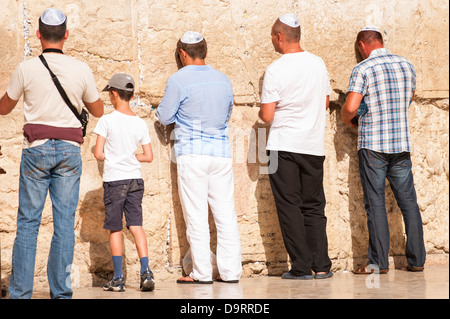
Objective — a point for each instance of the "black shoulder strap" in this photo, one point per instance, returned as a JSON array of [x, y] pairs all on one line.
[[60, 89]]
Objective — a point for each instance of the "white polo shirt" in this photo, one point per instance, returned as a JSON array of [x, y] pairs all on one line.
[[299, 83]]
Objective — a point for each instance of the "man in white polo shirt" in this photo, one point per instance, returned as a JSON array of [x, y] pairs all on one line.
[[294, 100], [51, 160]]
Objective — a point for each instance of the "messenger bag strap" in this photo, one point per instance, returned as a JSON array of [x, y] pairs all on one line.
[[61, 90]]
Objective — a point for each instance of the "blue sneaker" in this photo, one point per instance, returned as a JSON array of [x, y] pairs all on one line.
[[147, 281], [115, 284]]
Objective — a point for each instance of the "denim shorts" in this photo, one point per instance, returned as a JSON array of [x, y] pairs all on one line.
[[121, 197]]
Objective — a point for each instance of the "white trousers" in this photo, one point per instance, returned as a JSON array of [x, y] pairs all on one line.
[[204, 180]]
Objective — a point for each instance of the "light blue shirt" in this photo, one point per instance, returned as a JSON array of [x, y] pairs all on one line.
[[199, 100]]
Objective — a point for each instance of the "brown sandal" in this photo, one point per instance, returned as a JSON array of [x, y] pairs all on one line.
[[415, 269], [369, 269], [189, 280]]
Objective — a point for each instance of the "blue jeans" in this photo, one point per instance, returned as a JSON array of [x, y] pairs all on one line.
[[54, 167], [374, 168]]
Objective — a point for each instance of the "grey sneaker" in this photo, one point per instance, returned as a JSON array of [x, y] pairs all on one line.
[[147, 281], [115, 284]]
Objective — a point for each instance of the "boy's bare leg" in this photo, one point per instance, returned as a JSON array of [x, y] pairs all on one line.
[[115, 242], [140, 239]]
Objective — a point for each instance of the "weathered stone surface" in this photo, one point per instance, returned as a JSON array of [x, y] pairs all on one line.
[[139, 37]]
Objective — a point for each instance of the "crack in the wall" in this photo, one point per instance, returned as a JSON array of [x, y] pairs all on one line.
[[26, 31], [141, 27], [142, 24], [440, 103], [141, 72], [101, 57], [168, 243]]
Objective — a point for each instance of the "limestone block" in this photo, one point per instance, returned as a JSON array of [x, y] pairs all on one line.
[[10, 50]]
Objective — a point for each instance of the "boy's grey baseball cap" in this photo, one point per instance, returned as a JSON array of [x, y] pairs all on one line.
[[120, 81]]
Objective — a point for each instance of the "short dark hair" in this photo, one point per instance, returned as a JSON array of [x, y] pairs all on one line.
[[195, 51], [52, 33], [291, 34], [124, 95], [369, 36]]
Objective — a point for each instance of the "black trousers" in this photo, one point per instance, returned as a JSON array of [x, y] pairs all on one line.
[[297, 186]]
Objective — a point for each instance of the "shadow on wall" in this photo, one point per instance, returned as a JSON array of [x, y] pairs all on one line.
[[2, 171], [269, 227], [92, 217], [276, 254], [177, 218]]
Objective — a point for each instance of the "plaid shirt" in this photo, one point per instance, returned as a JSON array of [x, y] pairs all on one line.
[[387, 82]]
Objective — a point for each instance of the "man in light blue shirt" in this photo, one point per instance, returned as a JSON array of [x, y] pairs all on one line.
[[199, 100]]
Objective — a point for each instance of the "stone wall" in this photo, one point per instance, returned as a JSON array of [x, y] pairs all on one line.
[[139, 37]]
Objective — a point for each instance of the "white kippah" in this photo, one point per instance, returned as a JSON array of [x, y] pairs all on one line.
[[53, 17], [191, 37], [290, 19], [371, 28]]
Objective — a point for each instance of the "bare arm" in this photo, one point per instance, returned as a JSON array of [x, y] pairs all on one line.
[[147, 156], [99, 151], [7, 104], [96, 108], [328, 102], [350, 107], [267, 112]]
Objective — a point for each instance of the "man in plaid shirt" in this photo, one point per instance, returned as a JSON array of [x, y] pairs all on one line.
[[385, 83]]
